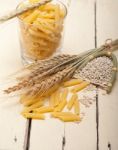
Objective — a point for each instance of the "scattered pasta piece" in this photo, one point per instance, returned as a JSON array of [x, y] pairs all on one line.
[[61, 106], [57, 102], [57, 114], [44, 109], [72, 101], [31, 101], [51, 100], [57, 98], [64, 94], [70, 118], [35, 105], [72, 82], [77, 107], [80, 87], [34, 116], [63, 102]]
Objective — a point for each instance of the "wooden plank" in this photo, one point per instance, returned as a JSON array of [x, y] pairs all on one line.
[[12, 125], [79, 36], [107, 24]]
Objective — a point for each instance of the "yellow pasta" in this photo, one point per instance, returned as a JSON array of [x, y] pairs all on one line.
[[34, 116], [77, 107], [47, 20], [35, 105], [42, 28], [80, 87], [72, 82], [72, 101], [47, 25], [34, 1], [64, 94], [57, 114], [52, 99], [61, 106], [44, 109], [40, 34], [57, 13], [47, 7], [63, 102], [25, 14], [31, 101], [57, 98], [69, 118], [32, 17]]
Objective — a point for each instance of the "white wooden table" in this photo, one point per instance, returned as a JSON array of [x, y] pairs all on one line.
[[88, 25]]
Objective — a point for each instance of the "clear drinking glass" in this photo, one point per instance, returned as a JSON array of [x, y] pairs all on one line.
[[41, 31]]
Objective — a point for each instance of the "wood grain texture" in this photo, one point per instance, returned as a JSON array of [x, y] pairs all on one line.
[[107, 27], [80, 37], [12, 124]]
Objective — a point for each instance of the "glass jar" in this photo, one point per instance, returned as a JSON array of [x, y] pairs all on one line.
[[41, 30]]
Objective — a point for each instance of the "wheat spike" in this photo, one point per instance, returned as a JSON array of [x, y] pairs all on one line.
[[49, 82]]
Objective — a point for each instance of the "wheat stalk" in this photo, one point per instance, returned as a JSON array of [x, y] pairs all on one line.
[[46, 73]]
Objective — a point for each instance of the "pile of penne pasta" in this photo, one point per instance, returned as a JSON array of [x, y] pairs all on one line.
[[41, 30], [56, 101]]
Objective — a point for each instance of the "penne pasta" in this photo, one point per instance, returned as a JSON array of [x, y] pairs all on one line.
[[47, 22], [57, 13], [34, 1], [57, 114], [77, 107], [72, 101], [57, 98], [72, 82], [35, 105], [44, 109], [42, 28], [52, 99], [64, 94], [33, 116], [32, 17], [63, 101], [61, 106], [80, 87], [69, 118], [31, 101]]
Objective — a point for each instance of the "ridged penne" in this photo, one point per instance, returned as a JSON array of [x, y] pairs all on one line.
[[57, 114], [72, 101], [44, 109], [31, 101], [69, 118], [63, 101], [80, 87], [34, 116], [35, 105], [72, 82], [77, 107], [61, 106]]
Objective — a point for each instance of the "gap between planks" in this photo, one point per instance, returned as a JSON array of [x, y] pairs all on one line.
[[97, 93]]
